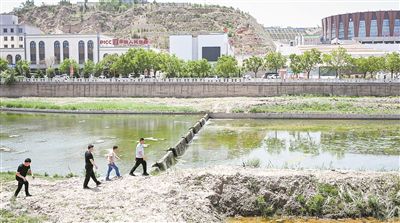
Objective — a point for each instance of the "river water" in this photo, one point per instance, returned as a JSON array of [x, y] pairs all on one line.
[[298, 144], [56, 142]]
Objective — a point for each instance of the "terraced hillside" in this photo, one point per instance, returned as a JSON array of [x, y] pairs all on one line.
[[154, 21]]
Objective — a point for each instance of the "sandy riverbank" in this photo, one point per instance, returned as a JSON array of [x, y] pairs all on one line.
[[212, 194]]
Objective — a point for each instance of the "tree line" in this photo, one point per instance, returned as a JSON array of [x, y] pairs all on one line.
[[138, 61]]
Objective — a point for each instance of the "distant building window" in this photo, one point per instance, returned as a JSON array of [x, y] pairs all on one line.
[[33, 52], [341, 30], [374, 29], [11, 30], [90, 50], [20, 30], [42, 52], [5, 46], [21, 38], [397, 27], [362, 31], [9, 59], [65, 50], [57, 52], [12, 45], [385, 28], [17, 58], [5, 30], [211, 53], [350, 34], [81, 52], [333, 31], [12, 38], [21, 46], [5, 38]]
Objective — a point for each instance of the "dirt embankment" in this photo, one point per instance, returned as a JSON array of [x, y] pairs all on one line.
[[210, 195]]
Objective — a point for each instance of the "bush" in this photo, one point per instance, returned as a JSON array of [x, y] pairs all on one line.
[[8, 76]]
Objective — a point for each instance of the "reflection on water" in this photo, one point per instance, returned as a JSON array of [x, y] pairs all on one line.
[[56, 143], [350, 144]]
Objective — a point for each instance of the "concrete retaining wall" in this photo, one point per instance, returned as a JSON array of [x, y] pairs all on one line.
[[302, 116], [196, 89], [180, 147]]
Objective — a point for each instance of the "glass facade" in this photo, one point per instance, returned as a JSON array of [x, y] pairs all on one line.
[[374, 28], [351, 30], [386, 28], [333, 31], [397, 27], [33, 52], [341, 30], [42, 53], [362, 31]]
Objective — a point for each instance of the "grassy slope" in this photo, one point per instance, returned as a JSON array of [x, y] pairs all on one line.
[[94, 106], [285, 104]]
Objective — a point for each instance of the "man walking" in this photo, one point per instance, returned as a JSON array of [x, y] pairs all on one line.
[[89, 163], [111, 157], [140, 159], [20, 176]]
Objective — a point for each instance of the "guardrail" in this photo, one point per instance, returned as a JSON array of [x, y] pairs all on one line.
[[211, 80]]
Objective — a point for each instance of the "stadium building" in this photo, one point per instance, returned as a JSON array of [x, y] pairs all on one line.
[[365, 27]]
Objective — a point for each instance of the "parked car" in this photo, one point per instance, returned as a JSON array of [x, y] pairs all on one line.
[[271, 76]]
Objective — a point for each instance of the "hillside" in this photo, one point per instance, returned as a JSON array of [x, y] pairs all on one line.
[[154, 21]]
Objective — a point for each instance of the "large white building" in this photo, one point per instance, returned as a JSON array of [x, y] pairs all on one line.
[[12, 33], [23, 42], [208, 46]]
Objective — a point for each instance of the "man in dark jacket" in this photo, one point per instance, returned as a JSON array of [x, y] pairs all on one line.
[[89, 163], [20, 176]]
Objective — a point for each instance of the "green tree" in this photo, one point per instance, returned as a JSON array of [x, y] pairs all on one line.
[[253, 64], [392, 63], [172, 66], [3, 65], [296, 64], [65, 67], [338, 60], [28, 4], [105, 66], [88, 68], [369, 65], [227, 66], [274, 61], [310, 59], [198, 68], [22, 68]]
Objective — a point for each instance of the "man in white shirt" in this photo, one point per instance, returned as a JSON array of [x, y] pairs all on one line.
[[140, 158], [111, 157]]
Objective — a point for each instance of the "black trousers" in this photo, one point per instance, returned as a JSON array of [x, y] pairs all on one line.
[[21, 182], [90, 174], [138, 162]]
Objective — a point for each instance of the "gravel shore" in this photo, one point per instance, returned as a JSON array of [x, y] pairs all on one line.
[[211, 195]]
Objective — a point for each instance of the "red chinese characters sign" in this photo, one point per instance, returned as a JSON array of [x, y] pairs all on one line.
[[124, 42]]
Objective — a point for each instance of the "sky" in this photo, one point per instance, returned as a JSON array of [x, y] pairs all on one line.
[[294, 13]]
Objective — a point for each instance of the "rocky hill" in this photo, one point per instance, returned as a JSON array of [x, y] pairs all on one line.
[[154, 21]]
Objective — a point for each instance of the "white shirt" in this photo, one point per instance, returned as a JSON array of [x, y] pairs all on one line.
[[139, 151], [111, 157]]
